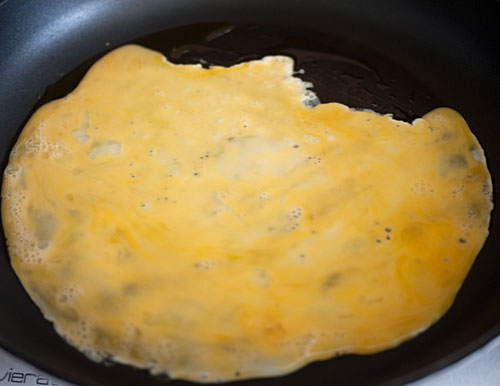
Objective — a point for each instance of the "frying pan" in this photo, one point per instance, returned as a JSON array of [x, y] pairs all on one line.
[[395, 57]]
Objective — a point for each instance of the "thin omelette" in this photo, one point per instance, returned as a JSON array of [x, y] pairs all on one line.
[[220, 224]]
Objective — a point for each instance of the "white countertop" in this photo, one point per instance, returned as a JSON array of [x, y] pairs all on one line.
[[482, 368]]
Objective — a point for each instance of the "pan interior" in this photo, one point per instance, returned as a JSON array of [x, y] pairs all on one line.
[[441, 126]]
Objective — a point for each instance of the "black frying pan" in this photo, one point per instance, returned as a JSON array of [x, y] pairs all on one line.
[[396, 57]]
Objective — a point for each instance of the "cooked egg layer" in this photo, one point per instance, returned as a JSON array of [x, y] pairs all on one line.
[[219, 224]]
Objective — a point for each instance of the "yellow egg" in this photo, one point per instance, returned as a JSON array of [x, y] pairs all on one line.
[[219, 224]]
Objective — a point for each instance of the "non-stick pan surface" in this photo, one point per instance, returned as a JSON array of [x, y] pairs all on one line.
[[396, 57]]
